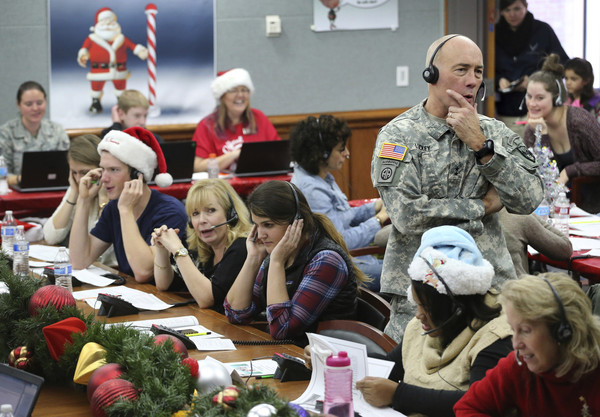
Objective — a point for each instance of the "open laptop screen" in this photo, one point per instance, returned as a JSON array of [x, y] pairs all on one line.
[[19, 389]]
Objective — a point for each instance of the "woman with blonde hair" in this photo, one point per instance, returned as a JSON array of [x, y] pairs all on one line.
[[554, 370], [298, 267], [218, 225], [232, 123]]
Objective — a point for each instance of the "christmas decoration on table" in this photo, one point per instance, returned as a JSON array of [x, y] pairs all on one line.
[[57, 335], [101, 375], [262, 410], [109, 392], [177, 344], [92, 357], [53, 295], [227, 397], [20, 358], [547, 168], [212, 374], [193, 365]]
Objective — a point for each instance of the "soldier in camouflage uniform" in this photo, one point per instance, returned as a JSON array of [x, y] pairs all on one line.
[[440, 163]]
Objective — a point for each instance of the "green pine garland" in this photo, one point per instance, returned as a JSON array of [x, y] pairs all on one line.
[[165, 384]]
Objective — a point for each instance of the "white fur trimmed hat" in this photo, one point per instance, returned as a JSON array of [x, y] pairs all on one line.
[[139, 149], [226, 80], [454, 255]]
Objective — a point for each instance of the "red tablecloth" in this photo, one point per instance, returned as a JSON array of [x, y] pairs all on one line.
[[43, 204]]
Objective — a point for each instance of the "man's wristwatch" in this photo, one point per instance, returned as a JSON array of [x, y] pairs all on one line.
[[488, 149], [180, 252]]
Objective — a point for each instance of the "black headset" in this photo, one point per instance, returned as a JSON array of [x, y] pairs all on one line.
[[134, 173], [431, 74], [327, 152], [562, 331], [297, 216], [458, 308], [232, 215]]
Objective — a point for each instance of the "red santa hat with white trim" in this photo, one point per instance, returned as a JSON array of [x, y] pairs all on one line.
[[226, 80], [139, 149], [103, 13]]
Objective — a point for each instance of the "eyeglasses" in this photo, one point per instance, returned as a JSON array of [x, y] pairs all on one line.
[[239, 90]]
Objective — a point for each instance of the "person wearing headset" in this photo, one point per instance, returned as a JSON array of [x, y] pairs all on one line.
[[297, 268], [570, 132], [442, 163], [457, 334], [554, 370], [218, 225], [319, 146], [128, 160]]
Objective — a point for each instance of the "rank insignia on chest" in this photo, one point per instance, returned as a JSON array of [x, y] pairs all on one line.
[[392, 151]]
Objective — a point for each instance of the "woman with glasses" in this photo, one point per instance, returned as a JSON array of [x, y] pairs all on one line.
[[232, 123]]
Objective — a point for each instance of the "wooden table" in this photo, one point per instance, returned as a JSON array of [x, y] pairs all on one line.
[[67, 401]]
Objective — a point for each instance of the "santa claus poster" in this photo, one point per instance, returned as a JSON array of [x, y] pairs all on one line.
[[162, 48]]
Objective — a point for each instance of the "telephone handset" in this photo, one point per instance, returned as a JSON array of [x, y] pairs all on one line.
[[134, 173]]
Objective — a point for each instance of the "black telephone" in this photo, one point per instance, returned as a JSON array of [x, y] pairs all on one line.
[[134, 173], [112, 306], [290, 368]]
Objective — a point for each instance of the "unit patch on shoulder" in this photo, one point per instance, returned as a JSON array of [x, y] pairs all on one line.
[[392, 151]]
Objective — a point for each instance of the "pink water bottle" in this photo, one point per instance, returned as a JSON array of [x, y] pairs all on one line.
[[338, 386]]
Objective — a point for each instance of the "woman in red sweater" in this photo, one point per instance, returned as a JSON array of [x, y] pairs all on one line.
[[554, 370]]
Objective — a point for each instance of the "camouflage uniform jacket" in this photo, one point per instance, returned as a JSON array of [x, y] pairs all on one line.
[[15, 139], [428, 177]]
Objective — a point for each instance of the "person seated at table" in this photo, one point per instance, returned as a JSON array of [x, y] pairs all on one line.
[[30, 131], [318, 146], [218, 225], [82, 156], [554, 370], [522, 230], [232, 123], [570, 132], [579, 79], [458, 333], [131, 110], [297, 267], [128, 160]]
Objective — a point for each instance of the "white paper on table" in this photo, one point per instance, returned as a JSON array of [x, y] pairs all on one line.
[[589, 225], [261, 367], [39, 264], [139, 299], [3, 288], [215, 344], [93, 276], [593, 253], [581, 243], [577, 211], [44, 252], [357, 353]]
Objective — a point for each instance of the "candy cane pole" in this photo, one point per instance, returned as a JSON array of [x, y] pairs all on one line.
[[151, 11]]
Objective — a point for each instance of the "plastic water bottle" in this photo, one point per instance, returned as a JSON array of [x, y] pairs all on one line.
[[338, 386], [562, 208], [20, 252], [543, 210], [6, 410], [213, 166], [63, 269], [3, 176], [9, 226]]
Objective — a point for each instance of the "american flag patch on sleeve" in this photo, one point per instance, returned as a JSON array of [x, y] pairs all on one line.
[[392, 151]]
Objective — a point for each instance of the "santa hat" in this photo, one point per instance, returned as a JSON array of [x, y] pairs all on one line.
[[454, 255], [226, 80], [103, 13], [139, 149]]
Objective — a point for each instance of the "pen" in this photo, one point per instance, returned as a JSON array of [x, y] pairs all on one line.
[[197, 334], [521, 122], [263, 376]]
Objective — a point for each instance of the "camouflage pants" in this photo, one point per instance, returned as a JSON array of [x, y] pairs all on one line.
[[402, 312]]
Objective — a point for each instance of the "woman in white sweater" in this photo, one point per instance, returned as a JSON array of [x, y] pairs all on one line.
[[82, 156]]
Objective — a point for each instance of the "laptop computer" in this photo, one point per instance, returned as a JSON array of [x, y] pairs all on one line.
[[179, 156], [264, 158], [43, 171], [19, 389]]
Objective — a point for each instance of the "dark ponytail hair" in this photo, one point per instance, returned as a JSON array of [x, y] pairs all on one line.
[[551, 75], [584, 69]]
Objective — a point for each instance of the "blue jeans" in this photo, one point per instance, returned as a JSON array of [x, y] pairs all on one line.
[[371, 266]]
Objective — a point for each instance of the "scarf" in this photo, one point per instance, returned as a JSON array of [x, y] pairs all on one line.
[[514, 41]]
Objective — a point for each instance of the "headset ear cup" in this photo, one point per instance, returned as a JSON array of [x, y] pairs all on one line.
[[431, 74], [562, 332], [190, 225]]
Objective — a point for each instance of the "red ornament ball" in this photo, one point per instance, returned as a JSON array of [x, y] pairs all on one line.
[[227, 397], [193, 365], [101, 375], [54, 295], [109, 392], [20, 357], [178, 345]]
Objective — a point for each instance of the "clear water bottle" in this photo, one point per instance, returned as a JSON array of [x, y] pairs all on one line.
[[20, 253], [338, 386], [213, 166], [543, 210], [6, 410], [9, 227], [63, 269], [3, 176], [562, 208]]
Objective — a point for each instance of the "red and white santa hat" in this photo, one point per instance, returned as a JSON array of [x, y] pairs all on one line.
[[104, 13], [226, 80], [139, 149]]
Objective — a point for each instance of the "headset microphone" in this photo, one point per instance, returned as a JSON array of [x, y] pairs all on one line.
[[457, 312], [222, 224], [517, 358]]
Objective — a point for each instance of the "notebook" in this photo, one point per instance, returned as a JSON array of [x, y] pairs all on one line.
[[264, 158], [43, 171], [19, 389], [179, 156]]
